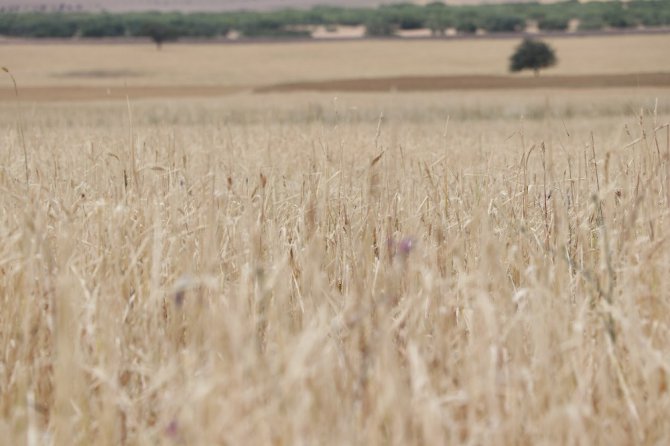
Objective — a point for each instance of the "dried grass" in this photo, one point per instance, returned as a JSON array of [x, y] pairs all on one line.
[[264, 272]]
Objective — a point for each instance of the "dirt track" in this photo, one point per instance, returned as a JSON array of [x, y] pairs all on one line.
[[415, 83], [433, 83]]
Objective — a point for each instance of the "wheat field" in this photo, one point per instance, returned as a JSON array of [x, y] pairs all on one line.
[[480, 268]]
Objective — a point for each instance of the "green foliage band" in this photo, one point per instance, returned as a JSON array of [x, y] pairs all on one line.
[[382, 21]]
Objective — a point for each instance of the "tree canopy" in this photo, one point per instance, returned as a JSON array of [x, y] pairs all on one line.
[[438, 17], [532, 55]]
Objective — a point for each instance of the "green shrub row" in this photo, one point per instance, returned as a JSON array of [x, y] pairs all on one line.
[[382, 21]]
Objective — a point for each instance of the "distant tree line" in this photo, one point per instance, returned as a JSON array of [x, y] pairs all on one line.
[[383, 21]]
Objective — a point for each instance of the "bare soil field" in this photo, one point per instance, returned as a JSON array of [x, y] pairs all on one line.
[[477, 83], [399, 84]]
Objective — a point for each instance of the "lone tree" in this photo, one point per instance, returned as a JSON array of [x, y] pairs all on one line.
[[159, 33], [532, 55]]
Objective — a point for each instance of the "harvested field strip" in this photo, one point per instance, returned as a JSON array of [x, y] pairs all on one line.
[[430, 83], [411, 83], [58, 93]]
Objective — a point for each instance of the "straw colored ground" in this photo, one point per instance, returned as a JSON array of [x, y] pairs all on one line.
[[478, 267], [249, 66]]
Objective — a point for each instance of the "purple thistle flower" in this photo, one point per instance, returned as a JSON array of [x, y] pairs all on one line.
[[172, 429], [405, 246]]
